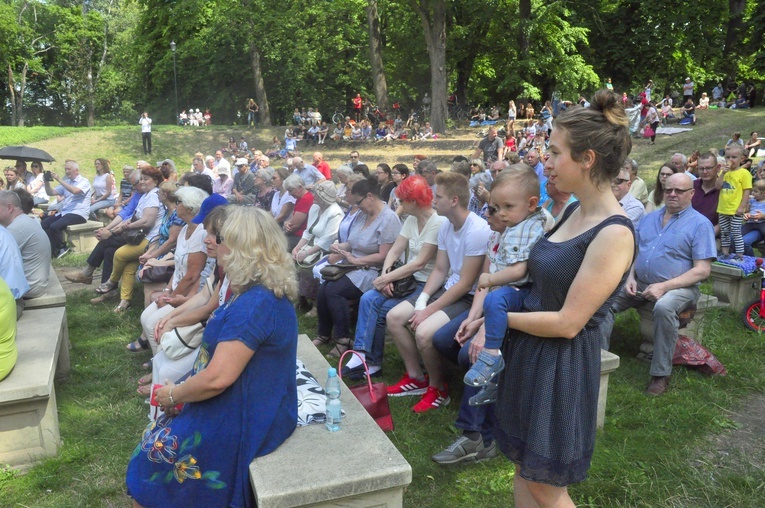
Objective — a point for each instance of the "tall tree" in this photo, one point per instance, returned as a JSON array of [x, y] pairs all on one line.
[[433, 16], [375, 56], [31, 42]]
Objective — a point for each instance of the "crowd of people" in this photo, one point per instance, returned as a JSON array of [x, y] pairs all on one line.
[[511, 263]]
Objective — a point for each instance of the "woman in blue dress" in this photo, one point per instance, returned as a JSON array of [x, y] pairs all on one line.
[[548, 392], [240, 401]]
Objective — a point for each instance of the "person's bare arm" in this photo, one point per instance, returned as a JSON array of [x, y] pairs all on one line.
[[297, 219], [700, 271], [195, 263], [608, 257], [506, 276], [225, 367], [471, 268]]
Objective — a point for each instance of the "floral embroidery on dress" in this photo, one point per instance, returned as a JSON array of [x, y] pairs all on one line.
[[186, 468], [161, 446]]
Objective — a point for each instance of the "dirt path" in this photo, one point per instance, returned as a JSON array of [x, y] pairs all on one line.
[[741, 448]]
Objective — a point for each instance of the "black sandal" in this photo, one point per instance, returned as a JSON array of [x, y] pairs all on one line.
[[138, 345], [321, 341], [341, 346]]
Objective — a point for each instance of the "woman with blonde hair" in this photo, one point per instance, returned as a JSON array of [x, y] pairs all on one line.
[[241, 400], [104, 190]]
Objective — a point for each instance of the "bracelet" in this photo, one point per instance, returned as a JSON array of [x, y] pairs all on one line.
[[166, 290], [170, 396]]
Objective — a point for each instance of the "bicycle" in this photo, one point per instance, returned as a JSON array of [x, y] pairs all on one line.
[[754, 313], [376, 116], [457, 113], [338, 116]]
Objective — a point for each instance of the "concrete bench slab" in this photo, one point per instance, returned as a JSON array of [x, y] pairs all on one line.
[[694, 329], [609, 362], [53, 297], [731, 286], [29, 429], [80, 236], [314, 469]]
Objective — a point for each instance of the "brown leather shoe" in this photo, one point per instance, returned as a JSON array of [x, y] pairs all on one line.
[[657, 386], [79, 277]]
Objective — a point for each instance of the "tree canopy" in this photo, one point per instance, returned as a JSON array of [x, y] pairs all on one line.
[[68, 62]]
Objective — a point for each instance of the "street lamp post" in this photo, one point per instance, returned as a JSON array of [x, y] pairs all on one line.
[[175, 80]]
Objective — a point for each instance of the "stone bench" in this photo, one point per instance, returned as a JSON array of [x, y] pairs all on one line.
[[53, 297], [314, 468], [731, 286], [694, 328], [29, 429], [80, 236], [609, 362]]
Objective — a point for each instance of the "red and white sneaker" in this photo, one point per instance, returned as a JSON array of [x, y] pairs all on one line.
[[433, 399], [408, 386]]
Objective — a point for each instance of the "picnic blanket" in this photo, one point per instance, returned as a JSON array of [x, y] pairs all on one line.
[[485, 122], [672, 130]]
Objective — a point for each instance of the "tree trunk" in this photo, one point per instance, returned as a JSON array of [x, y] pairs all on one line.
[[17, 97], [261, 97], [91, 107], [12, 94], [524, 15], [433, 15], [732, 35], [375, 56]]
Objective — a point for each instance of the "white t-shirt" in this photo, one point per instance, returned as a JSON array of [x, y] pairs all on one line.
[[277, 202], [184, 247], [470, 240], [417, 239], [151, 200]]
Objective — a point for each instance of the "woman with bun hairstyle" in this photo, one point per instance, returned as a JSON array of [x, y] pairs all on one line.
[[548, 392]]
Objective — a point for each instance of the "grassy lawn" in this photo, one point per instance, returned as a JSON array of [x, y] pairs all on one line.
[[662, 452]]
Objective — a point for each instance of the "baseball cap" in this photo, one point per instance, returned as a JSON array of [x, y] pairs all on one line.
[[208, 205], [241, 161]]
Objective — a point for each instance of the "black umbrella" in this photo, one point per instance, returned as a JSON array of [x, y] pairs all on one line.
[[25, 153]]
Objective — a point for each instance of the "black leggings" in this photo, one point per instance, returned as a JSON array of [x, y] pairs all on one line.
[[654, 126], [332, 306], [103, 252]]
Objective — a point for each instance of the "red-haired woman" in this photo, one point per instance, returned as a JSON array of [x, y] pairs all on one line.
[[418, 236]]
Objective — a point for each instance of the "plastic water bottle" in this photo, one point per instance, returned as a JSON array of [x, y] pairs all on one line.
[[334, 406]]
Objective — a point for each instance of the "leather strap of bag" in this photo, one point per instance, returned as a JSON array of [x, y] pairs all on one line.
[[180, 338], [366, 369]]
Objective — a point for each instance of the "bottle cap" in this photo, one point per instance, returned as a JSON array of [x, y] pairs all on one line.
[[332, 372]]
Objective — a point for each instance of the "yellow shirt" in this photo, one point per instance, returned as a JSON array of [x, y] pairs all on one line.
[[734, 184], [8, 351]]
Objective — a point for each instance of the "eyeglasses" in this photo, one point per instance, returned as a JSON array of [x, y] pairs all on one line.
[[703, 169], [358, 203], [219, 239], [679, 192], [618, 181], [35, 165]]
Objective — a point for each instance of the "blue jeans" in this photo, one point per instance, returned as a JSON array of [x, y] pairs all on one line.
[[98, 205], [471, 418], [370, 325], [497, 304], [753, 232]]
